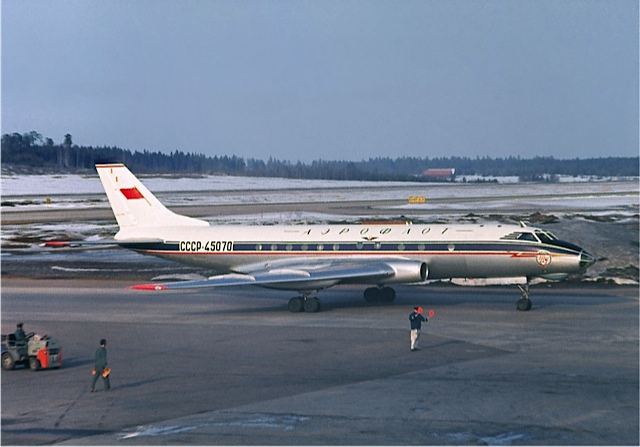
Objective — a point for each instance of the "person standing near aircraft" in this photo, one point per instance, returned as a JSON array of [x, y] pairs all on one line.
[[100, 366], [416, 318]]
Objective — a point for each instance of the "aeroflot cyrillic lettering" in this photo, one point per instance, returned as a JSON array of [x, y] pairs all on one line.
[[208, 246], [363, 231]]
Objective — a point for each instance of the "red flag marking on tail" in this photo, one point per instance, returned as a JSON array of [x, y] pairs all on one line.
[[131, 193]]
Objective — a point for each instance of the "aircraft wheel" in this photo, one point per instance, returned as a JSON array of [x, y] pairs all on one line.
[[387, 294], [372, 294], [295, 304], [311, 304], [7, 362], [34, 364], [524, 304]]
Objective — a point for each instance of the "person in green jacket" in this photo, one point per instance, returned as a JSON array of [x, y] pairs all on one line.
[[100, 366], [19, 333]]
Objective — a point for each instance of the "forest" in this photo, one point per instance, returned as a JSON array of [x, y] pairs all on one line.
[[32, 153]]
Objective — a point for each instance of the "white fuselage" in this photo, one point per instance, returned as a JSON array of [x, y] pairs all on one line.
[[450, 251]]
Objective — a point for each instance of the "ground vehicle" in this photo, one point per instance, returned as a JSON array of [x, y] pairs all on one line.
[[36, 352]]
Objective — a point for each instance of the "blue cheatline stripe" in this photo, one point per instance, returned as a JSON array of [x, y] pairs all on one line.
[[356, 248]]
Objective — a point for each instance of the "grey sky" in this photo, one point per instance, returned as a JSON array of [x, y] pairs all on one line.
[[332, 80]]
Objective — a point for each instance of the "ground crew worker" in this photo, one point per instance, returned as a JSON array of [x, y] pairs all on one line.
[[99, 367], [21, 340], [20, 335], [416, 320]]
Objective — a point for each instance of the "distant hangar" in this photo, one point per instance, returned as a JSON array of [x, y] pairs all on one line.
[[439, 174]]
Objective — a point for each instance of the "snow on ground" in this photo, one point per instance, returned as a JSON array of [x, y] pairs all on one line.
[[43, 185], [71, 191], [18, 185]]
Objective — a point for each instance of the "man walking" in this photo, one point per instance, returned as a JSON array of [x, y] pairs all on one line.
[[100, 366], [416, 320]]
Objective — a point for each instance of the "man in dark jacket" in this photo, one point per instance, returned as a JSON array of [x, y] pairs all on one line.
[[416, 320], [100, 366], [19, 333], [21, 340]]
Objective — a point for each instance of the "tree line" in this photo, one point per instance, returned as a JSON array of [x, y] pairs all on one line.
[[32, 150]]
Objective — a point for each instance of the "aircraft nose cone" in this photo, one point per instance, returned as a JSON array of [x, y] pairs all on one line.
[[586, 259]]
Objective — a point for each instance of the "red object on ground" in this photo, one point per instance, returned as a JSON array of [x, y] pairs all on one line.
[[56, 244]]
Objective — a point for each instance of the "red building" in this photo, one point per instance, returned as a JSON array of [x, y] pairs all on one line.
[[439, 174]]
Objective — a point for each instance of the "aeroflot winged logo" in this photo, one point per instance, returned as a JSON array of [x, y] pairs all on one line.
[[543, 258], [131, 193]]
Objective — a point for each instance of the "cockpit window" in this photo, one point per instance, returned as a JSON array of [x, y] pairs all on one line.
[[527, 237], [549, 238], [546, 237]]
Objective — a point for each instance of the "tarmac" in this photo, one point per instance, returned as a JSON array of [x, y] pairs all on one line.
[[234, 367]]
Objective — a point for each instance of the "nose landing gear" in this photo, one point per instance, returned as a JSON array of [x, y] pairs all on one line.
[[524, 304]]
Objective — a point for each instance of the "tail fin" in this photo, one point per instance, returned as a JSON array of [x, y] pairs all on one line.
[[133, 204]]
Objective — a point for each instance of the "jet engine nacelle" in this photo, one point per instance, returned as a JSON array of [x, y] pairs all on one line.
[[555, 276], [407, 271]]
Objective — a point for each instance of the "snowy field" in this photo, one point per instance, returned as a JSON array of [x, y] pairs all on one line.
[[71, 191], [20, 185]]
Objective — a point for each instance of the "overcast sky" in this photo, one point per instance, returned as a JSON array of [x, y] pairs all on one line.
[[332, 80]]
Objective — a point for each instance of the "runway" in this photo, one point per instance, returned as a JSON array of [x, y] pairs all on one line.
[[234, 367]]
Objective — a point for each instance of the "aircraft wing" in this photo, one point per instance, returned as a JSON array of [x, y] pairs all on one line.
[[303, 277]]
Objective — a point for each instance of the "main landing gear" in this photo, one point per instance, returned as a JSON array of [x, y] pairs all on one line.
[[524, 303], [304, 303], [311, 304]]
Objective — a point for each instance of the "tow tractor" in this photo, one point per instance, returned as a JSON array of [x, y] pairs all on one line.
[[36, 352]]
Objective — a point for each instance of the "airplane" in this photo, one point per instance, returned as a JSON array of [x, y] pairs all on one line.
[[309, 258]]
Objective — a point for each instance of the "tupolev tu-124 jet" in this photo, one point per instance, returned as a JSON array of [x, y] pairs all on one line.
[[309, 258]]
